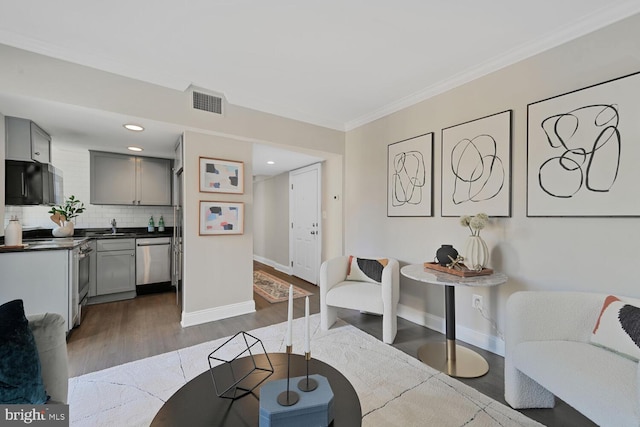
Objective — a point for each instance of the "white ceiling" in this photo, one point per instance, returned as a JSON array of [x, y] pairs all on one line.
[[335, 63]]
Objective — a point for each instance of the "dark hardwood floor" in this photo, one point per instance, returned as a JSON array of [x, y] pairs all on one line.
[[120, 332]]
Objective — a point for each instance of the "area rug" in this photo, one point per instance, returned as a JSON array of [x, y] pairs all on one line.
[[394, 389], [274, 289]]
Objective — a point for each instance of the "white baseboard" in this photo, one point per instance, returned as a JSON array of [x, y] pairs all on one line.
[[280, 267], [217, 313], [487, 342], [421, 318]]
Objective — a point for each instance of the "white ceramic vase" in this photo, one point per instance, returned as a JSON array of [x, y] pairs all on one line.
[[65, 231], [13, 232], [476, 253]]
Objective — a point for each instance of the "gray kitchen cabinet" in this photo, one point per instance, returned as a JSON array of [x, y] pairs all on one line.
[[25, 140], [115, 266], [178, 156], [112, 179], [119, 179], [153, 181]]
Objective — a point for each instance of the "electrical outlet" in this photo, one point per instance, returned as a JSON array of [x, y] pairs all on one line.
[[476, 301]]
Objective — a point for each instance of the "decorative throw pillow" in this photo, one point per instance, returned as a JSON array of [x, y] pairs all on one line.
[[20, 371], [618, 327], [366, 270]]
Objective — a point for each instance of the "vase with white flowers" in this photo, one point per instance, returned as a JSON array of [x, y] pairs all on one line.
[[63, 214], [476, 252]]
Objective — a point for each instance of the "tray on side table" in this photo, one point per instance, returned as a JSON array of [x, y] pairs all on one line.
[[462, 271]]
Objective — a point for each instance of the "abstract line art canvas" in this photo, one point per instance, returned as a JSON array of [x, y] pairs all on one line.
[[221, 218], [583, 151], [221, 176], [410, 177], [476, 167]]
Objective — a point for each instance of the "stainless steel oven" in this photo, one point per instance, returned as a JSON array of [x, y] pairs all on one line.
[[83, 279]]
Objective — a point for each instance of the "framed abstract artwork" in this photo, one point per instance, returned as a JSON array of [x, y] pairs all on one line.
[[410, 177], [583, 152], [476, 167], [221, 218], [221, 176]]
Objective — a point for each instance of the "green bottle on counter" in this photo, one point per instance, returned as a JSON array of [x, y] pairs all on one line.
[[151, 225], [161, 224]]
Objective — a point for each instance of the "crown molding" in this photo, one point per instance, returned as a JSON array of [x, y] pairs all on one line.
[[584, 26]]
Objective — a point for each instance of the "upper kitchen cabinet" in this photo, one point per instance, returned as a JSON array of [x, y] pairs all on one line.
[[177, 158], [25, 140], [112, 176]]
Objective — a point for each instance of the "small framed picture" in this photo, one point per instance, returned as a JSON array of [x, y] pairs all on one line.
[[221, 176], [221, 218]]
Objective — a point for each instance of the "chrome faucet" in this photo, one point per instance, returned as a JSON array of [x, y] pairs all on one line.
[[113, 226]]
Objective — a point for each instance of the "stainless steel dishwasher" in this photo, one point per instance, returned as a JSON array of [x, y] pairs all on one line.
[[153, 261]]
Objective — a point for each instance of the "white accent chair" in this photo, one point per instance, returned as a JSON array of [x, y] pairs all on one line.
[[548, 353], [336, 291]]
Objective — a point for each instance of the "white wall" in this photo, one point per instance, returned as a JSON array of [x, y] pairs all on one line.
[[218, 269], [271, 221], [74, 163], [585, 254], [332, 206]]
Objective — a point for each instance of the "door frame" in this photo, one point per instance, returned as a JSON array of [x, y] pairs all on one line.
[[318, 167]]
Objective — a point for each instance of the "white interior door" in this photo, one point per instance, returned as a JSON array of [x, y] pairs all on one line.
[[305, 241]]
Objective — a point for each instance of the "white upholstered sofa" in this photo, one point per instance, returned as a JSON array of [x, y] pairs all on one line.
[[548, 352], [378, 298], [49, 333]]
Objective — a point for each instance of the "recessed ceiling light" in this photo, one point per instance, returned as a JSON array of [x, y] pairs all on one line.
[[133, 127], [132, 148], [271, 162]]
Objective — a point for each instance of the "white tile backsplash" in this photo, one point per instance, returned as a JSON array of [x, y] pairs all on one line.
[[74, 163]]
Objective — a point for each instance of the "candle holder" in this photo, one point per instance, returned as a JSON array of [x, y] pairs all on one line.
[[288, 397], [307, 384]]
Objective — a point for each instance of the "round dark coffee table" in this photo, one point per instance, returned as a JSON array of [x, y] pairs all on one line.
[[196, 403]]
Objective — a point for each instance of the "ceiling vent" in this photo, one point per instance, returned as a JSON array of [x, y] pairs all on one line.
[[206, 102]]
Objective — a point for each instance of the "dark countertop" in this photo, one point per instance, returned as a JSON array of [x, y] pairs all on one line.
[[100, 233], [42, 239]]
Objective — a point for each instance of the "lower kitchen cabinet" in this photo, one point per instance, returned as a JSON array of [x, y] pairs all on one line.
[[41, 279], [116, 267]]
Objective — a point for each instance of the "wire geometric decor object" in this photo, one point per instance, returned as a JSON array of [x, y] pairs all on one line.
[[234, 379]]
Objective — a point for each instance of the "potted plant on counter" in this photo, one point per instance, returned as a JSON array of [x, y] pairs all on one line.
[[61, 215]]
